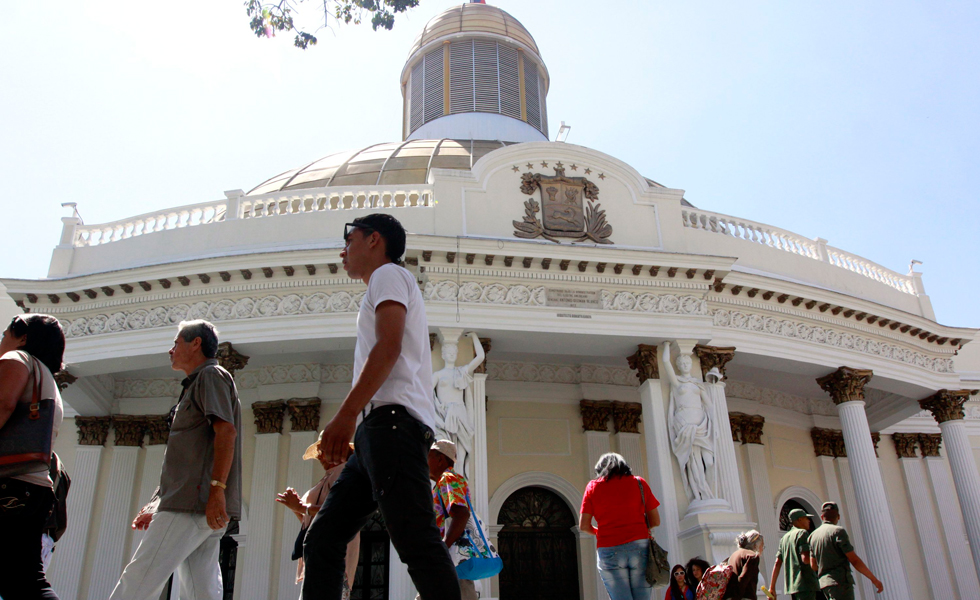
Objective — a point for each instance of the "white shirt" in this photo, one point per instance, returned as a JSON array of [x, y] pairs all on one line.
[[410, 381]]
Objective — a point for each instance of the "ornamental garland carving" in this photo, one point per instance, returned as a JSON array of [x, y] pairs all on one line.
[[845, 384], [627, 417], [905, 444], [92, 431], [571, 374], [929, 443], [712, 357], [268, 416], [595, 414], [147, 388], [129, 429], [946, 405], [828, 337], [644, 362], [304, 414], [800, 404]]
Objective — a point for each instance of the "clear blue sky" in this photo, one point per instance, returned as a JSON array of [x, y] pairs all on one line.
[[853, 121]]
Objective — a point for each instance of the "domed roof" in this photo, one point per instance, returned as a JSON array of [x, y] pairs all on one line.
[[393, 163], [474, 18]]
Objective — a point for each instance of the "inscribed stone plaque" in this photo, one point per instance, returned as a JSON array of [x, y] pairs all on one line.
[[572, 298]]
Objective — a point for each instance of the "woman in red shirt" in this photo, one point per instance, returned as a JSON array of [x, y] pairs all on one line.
[[624, 509]]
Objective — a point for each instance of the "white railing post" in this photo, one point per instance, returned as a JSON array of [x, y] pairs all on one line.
[[822, 250], [234, 204]]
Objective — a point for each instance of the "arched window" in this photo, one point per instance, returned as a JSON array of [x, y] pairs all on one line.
[[784, 523]]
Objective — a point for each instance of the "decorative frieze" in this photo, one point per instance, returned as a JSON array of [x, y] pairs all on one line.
[[298, 373], [769, 397], [268, 416], [714, 357], [548, 373], [64, 379], [751, 429], [92, 431], [230, 359], [905, 444], [595, 414], [627, 416], [946, 405], [129, 429], [644, 362], [147, 388], [485, 343], [304, 414], [929, 444], [157, 429], [845, 384], [826, 336]]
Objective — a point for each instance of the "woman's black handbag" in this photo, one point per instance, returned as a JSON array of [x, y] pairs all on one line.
[[298, 544], [658, 569], [25, 439]]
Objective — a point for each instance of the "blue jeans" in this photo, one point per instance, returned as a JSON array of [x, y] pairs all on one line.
[[623, 570], [389, 470]]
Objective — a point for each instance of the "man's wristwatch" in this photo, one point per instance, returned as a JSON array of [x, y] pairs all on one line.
[[216, 483]]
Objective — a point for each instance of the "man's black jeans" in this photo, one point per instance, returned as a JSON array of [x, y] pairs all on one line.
[[24, 508], [388, 470]]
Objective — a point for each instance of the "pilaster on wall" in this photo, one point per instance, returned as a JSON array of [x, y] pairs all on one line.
[[66, 566], [755, 455], [480, 481], [257, 552], [944, 494]]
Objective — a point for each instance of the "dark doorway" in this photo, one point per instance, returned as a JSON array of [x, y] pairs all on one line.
[[371, 579], [784, 523], [538, 547]]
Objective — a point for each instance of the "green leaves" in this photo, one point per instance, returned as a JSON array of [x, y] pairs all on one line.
[[274, 17]]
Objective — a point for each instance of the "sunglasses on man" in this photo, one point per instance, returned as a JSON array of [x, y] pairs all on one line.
[[349, 227]]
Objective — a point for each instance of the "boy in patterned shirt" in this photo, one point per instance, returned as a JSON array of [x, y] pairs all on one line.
[[449, 498]]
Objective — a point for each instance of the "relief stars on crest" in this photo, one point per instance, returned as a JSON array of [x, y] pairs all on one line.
[[516, 168], [588, 171]]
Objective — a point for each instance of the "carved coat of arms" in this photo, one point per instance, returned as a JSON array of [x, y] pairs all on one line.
[[569, 209]]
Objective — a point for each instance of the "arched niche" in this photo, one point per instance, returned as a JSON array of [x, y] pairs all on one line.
[[796, 496]]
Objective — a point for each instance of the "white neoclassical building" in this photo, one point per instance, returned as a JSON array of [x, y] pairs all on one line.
[[807, 373]]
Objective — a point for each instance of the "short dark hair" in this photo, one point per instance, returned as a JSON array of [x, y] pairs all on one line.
[[190, 330], [45, 338], [391, 232], [612, 465]]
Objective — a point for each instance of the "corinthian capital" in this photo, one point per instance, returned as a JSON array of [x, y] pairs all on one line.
[[929, 443], [946, 405], [714, 357], [626, 416], [129, 429], [304, 414], [92, 431], [845, 384], [268, 416], [230, 359], [595, 415], [644, 362], [752, 429], [905, 444]]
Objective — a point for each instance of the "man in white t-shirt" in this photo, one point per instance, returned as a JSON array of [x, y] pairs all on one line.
[[390, 413]]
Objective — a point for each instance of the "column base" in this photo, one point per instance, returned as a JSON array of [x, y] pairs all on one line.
[[712, 541], [714, 505]]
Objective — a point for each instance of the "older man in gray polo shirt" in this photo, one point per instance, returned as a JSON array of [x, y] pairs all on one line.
[[200, 487]]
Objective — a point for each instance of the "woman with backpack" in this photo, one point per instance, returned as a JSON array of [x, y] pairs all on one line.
[[744, 580], [624, 509], [31, 350]]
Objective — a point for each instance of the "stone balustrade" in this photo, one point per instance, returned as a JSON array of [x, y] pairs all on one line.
[[787, 241], [248, 207]]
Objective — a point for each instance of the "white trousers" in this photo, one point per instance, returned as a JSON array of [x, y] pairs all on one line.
[[180, 542]]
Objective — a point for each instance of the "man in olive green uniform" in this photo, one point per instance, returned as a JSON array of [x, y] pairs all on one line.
[[832, 555], [794, 552]]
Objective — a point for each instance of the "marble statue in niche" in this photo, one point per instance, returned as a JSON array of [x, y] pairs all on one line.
[[453, 402], [690, 426]]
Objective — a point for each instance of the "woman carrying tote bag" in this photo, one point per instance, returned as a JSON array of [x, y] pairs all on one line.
[[624, 508], [31, 349]]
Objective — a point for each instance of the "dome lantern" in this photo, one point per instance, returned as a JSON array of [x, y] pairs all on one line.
[[475, 72]]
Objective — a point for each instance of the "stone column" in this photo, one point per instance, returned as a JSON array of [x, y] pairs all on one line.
[[626, 422], [256, 569], [947, 408], [480, 482], [67, 563], [713, 360], [846, 388], [116, 508], [659, 457], [950, 516], [923, 511], [751, 436], [304, 415], [595, 424]]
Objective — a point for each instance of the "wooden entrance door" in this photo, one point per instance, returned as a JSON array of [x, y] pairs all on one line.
[[538, 547]]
